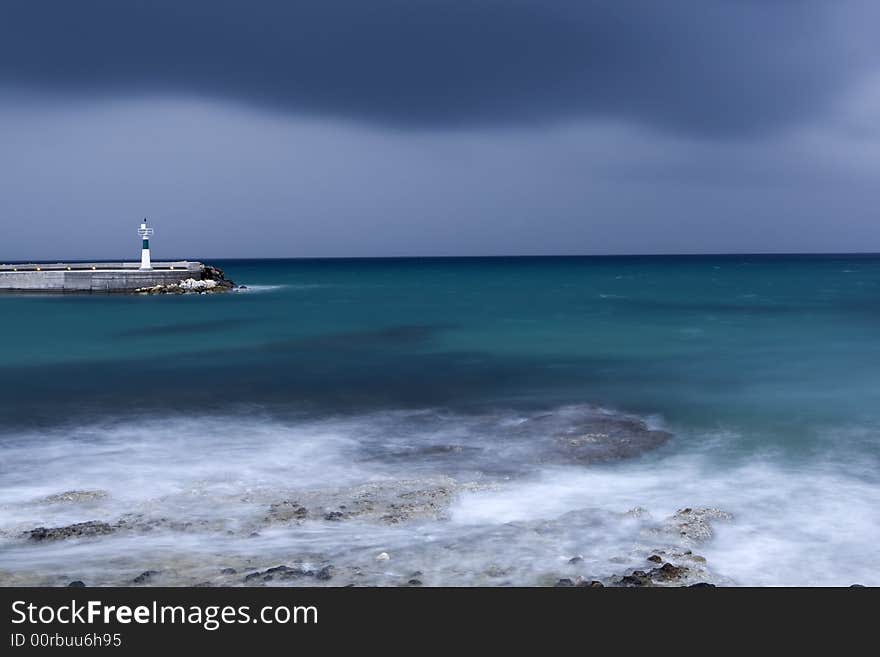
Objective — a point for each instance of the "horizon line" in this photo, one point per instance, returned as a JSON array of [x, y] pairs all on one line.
[[481, 257]]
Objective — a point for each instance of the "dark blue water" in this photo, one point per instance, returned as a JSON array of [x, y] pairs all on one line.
[[765, 369]]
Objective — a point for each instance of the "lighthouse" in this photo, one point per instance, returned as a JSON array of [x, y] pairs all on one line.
[[145, 233]]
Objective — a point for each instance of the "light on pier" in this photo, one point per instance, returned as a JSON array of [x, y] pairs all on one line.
[[145, 232]]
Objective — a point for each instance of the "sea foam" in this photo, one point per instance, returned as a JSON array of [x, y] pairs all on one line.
[[192, 496]]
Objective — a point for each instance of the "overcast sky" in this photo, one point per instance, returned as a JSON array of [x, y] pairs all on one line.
[[438, 127]]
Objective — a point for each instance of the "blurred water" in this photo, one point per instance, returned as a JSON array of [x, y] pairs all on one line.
[[338, 372]]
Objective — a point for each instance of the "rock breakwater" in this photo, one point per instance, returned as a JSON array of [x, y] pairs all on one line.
[[213, 280]]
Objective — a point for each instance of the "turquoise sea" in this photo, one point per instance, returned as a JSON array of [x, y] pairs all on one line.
[[196, 413]]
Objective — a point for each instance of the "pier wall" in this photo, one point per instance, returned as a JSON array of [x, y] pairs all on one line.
[[61, 277]]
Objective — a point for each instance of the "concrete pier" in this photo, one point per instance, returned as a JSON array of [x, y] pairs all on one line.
[[94, 276]]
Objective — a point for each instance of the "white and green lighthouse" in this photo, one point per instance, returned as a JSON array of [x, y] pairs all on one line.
[[145, 232]]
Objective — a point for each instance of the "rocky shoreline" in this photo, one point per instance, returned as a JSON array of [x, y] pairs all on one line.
[[213, 281], [669, 561]]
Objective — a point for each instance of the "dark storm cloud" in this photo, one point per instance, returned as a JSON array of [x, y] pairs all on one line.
[[700, 66]]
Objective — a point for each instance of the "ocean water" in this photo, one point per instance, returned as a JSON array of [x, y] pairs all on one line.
[[454, 393]]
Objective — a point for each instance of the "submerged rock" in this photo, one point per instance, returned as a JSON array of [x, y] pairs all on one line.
[[588, 434], [139, 522], [435, 452], [604, 439], [281, 572], [389, 502], [145, 577], [287, 573], [131, 522], [694, 525], [73, 497], [76, 530], [287, 510]]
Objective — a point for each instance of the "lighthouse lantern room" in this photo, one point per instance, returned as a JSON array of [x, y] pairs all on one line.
[[145, 232]]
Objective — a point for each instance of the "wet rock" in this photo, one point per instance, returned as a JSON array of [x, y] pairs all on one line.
[[217, 275], [656, 558], [276, 569], [414, 582], [77, 584], [668, 572], [576, 559], [429, 502], [138, 522], [693, 525], [565, 581], [664, 574], [145, 577], [77, 530], [287, 510], [701, 585], [638, 578], [590, 584], [297, 573], [389, 502], [286, 573], [269, 574], [696, 560]]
